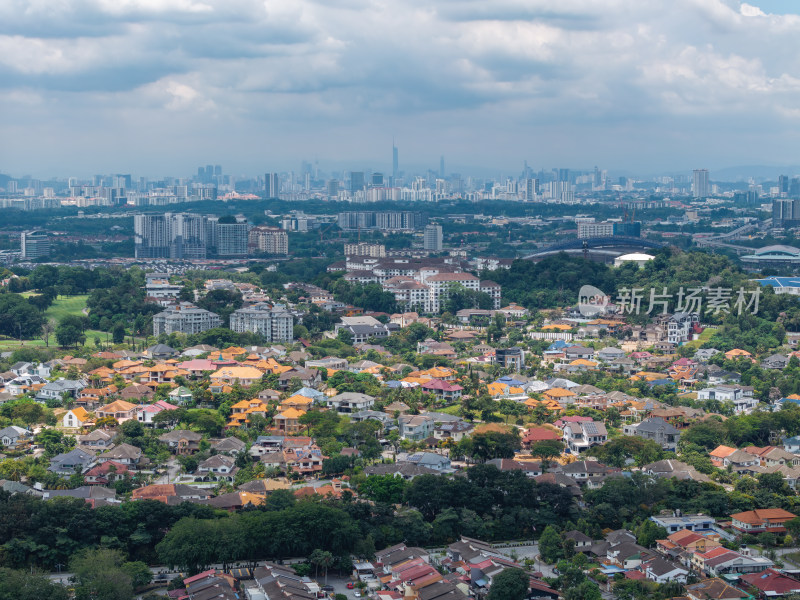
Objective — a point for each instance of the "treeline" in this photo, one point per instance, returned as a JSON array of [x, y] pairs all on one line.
[[39, 533], [485, 503]]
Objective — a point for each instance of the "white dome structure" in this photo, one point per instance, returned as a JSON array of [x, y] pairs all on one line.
[[635, 257]]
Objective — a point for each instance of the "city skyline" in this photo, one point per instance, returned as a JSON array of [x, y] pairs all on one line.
[[158, 87]]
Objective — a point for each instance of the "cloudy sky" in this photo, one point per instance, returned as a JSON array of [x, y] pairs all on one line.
[[158, 87]]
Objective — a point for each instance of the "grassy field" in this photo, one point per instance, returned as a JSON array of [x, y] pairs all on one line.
[[66, 305], [704, 337], [61, 307]]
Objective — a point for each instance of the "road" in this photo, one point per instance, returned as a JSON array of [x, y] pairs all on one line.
[[173, 469]]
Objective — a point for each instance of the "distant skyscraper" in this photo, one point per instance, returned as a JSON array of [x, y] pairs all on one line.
[[563, 175], [395, 162], [356, 181], [700, 185], [783, 184], [272, 185], [333, 188], [377, 179], [531, 189], [432, 239], [441, 167]]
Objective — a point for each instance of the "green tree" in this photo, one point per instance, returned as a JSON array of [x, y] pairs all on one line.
[[550, 547], [99, 576], [648, 532], [22, 585], [509, 584]]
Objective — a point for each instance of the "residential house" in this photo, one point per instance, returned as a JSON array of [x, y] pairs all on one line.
[[75, 418], [776, 361], [588, 472], [12, 436], [217, 467], [171, 493], [656, 429], [350, 402], [123, 453], [105, 473], [429, 460], [287, 422], [771, 583], [415, 427], [584, 435], [529, 467], [742, 398], [231, 446], [119, 409], [661, 571], [181, 441], [69, 463], [763, 519], [678, 522], [180, 395], [146, 412], [244, 376], [56, 390], [609, 354], [674, 468], [455, 430], [98, 440]]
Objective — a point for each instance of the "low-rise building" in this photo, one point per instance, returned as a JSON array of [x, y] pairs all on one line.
[[274, 323], [184, 318]]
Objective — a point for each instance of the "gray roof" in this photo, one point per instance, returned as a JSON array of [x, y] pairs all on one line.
[[179, 434], [654, 424]]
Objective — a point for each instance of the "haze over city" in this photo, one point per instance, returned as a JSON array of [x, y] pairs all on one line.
[[157, 87]]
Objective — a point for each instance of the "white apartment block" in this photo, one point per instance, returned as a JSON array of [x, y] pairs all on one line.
[[276, 324], [184, 318], [268, 240], [590, 230], [365, 249]]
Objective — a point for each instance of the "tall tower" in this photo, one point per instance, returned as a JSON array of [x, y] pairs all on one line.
[[272, 185], [394, 160], [441, 167], [700, 186]]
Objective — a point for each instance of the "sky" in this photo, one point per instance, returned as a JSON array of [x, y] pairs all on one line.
[[158, 87]]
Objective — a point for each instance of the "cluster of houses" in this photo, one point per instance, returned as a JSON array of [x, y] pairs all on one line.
[[698, 553]]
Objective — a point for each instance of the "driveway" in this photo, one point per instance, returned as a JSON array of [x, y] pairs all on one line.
[[339, 584]]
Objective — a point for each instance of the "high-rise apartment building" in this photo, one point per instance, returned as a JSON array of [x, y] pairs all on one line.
[[531, 188], [275, 323], [591, 230], [268, 240], [700, 184], [188, 236], [272, 185], [432, 238], [385, 221], [34, 244], [228, 239]]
